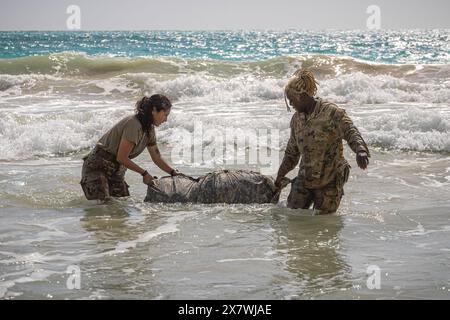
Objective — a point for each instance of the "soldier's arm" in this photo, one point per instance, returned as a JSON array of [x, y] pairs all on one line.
[[350, 133], [155, 154], [123, 153], [291, 155]]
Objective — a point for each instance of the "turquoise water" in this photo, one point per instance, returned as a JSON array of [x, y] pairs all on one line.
[[418, 46]]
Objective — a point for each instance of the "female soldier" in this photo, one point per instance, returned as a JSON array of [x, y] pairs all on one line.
[[104, 167]]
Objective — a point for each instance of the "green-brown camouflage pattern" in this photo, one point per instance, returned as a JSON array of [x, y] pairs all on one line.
[[326, 199], [318, 140], [323, 168], [102, 176], [225, 186]]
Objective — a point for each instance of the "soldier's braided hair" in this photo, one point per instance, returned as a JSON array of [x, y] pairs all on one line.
[[303, 81], [145, 106]]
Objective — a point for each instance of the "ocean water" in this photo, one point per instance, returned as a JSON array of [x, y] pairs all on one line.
[[60, 91]]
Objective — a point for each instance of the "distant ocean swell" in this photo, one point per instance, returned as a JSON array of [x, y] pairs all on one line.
[[343, 79]]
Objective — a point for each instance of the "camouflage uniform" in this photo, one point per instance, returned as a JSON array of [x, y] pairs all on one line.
[[103, 176], [225, 186], [323, 168]]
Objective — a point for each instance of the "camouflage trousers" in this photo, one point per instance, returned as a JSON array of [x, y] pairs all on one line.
[[102, 176], [326, 199]]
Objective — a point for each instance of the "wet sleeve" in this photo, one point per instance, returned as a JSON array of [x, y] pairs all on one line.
[[350, 133], [292, 153]]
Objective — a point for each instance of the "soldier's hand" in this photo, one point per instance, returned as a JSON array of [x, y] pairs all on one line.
[[278, 182], [148, 179], [362, 159], [176, 173]]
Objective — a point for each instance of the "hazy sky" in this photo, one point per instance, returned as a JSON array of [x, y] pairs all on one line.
[[222, 14]]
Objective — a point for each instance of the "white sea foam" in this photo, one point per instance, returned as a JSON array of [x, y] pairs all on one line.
[[363, 88], [349, 88], [169, 227], [58, 113], [406, 127], [24, 136], [409, 128]]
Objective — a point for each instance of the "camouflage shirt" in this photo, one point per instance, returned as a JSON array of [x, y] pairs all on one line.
[[318, 139]]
